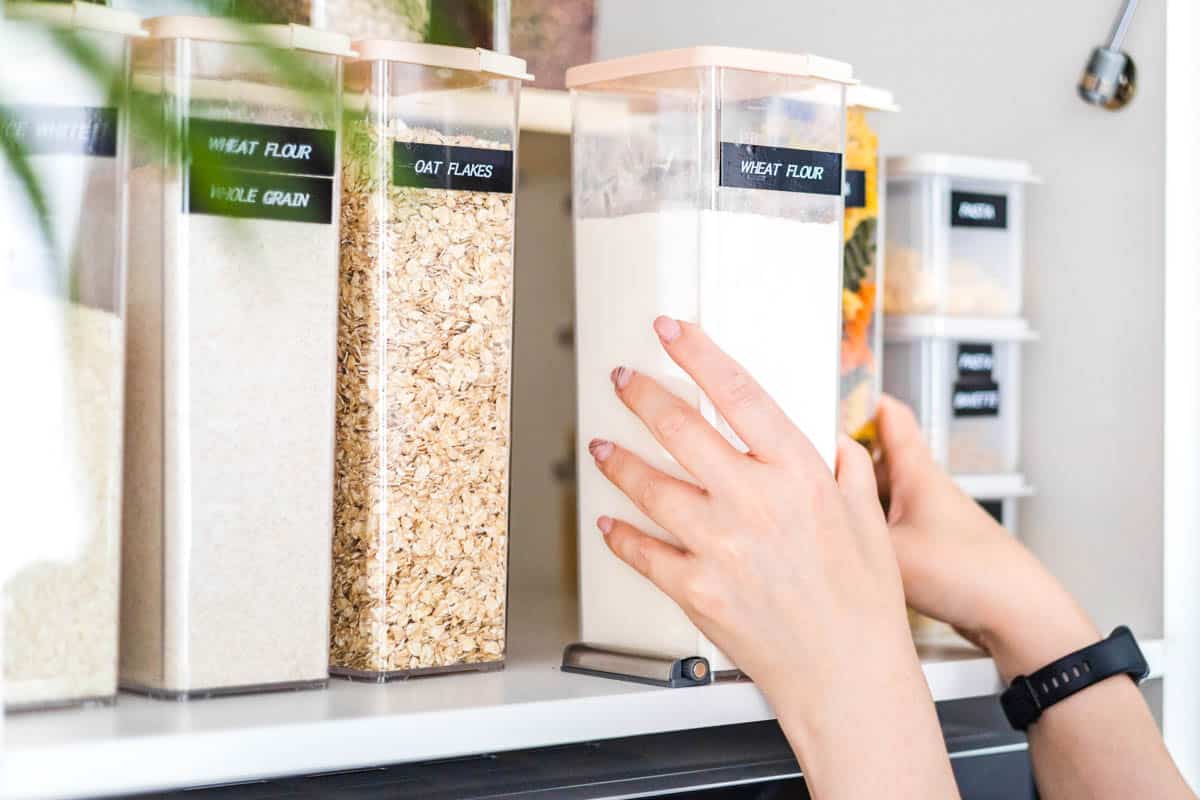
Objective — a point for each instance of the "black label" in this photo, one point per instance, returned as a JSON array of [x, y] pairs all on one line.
[[61, 130], [993, 507], [260, 195], [972, 210], [856, 188], [270, 148], [443, 166], [781, 169], [976, 359], [976, 399]]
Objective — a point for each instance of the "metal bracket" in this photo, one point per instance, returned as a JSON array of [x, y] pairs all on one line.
[[636, 666]]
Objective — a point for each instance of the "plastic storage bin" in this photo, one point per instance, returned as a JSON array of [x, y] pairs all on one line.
[[420, 550], [233, 288], [955, 233], [62, 300], [707, 186], [964, 390], [862, 266]]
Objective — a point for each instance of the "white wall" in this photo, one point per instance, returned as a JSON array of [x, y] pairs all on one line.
[[998, 79]]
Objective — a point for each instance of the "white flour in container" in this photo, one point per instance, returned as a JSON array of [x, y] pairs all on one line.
[[229, 454], [767, 289], [60, 596]]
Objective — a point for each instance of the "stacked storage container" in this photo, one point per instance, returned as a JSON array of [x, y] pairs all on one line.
[[954, 332]]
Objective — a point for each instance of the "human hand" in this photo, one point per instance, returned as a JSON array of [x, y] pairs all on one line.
[[960, 566]]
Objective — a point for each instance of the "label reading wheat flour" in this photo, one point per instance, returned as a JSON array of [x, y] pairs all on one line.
[[974, 210], [856, 188], [443, 166], [61, 130], [781, 169], [260, 195], [269, 148]]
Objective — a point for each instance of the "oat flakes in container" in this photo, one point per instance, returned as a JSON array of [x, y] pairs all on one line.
[[707, 186], [232, 359], [862, 265], [420, 549], [61, 311]]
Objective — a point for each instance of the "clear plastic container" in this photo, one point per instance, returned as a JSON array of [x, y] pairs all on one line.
[[420, 551], [862, 266], [708, 187], [62, 300], [955, 233], [964, 390], [232, 359]]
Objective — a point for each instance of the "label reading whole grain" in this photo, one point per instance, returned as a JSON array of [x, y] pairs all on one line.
[[453, 167], [60, 130], [974, 210], [260, 195], [781, 169], [856, 188], [269, 148], [975, 393]]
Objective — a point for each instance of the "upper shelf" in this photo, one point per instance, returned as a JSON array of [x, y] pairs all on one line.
[[143, 745]]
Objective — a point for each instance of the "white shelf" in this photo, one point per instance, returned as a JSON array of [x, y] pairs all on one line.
[[902, 327], [143, 745], [994, 486]]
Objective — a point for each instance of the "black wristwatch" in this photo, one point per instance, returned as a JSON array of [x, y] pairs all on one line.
[[1030, 695]]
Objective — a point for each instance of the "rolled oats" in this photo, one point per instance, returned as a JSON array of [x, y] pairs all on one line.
[[422, 458]]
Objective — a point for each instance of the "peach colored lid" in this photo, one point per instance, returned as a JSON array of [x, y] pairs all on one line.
[[870, 98], [798, 64], [439, 55], [83, 16], [217, 29]]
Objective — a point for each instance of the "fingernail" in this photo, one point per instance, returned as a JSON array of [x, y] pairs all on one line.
[[620, 377], [667, 329], [605, 524], [600, 449]]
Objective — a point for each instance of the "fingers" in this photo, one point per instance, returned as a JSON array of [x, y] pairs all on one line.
[[679, 428], [856, 481], [749, 410], [903, 443], [660, 563], [676, 505]]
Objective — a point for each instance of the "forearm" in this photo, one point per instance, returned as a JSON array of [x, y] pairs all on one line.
[[873, 731], [1101, 742]]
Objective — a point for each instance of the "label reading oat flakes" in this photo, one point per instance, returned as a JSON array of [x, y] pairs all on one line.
[[260, 195], [443, 166], [781, 169], [269, 148], [61, 130]]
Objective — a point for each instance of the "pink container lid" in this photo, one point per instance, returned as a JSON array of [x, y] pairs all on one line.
[[439, 55], [219, 29], [797, 64]]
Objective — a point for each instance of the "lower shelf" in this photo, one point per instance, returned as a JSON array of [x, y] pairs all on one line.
[[140, 744]]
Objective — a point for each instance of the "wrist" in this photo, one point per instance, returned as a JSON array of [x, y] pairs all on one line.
[[1029, 635]]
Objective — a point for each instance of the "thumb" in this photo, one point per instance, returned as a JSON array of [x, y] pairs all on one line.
[[856, 481]]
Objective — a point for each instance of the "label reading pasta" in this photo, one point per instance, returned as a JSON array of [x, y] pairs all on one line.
[[452, 167], [781, 169], [975, 393], [974, 210], [856, 188]]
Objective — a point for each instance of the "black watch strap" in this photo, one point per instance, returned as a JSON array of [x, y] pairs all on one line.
[[1030, 695]]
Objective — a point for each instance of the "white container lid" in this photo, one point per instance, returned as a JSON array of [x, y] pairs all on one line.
[[439, 55], [992, 169], [907, 327], [870, 98], [217, 29], [1000, 486], [797, 64], [78, 15]]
